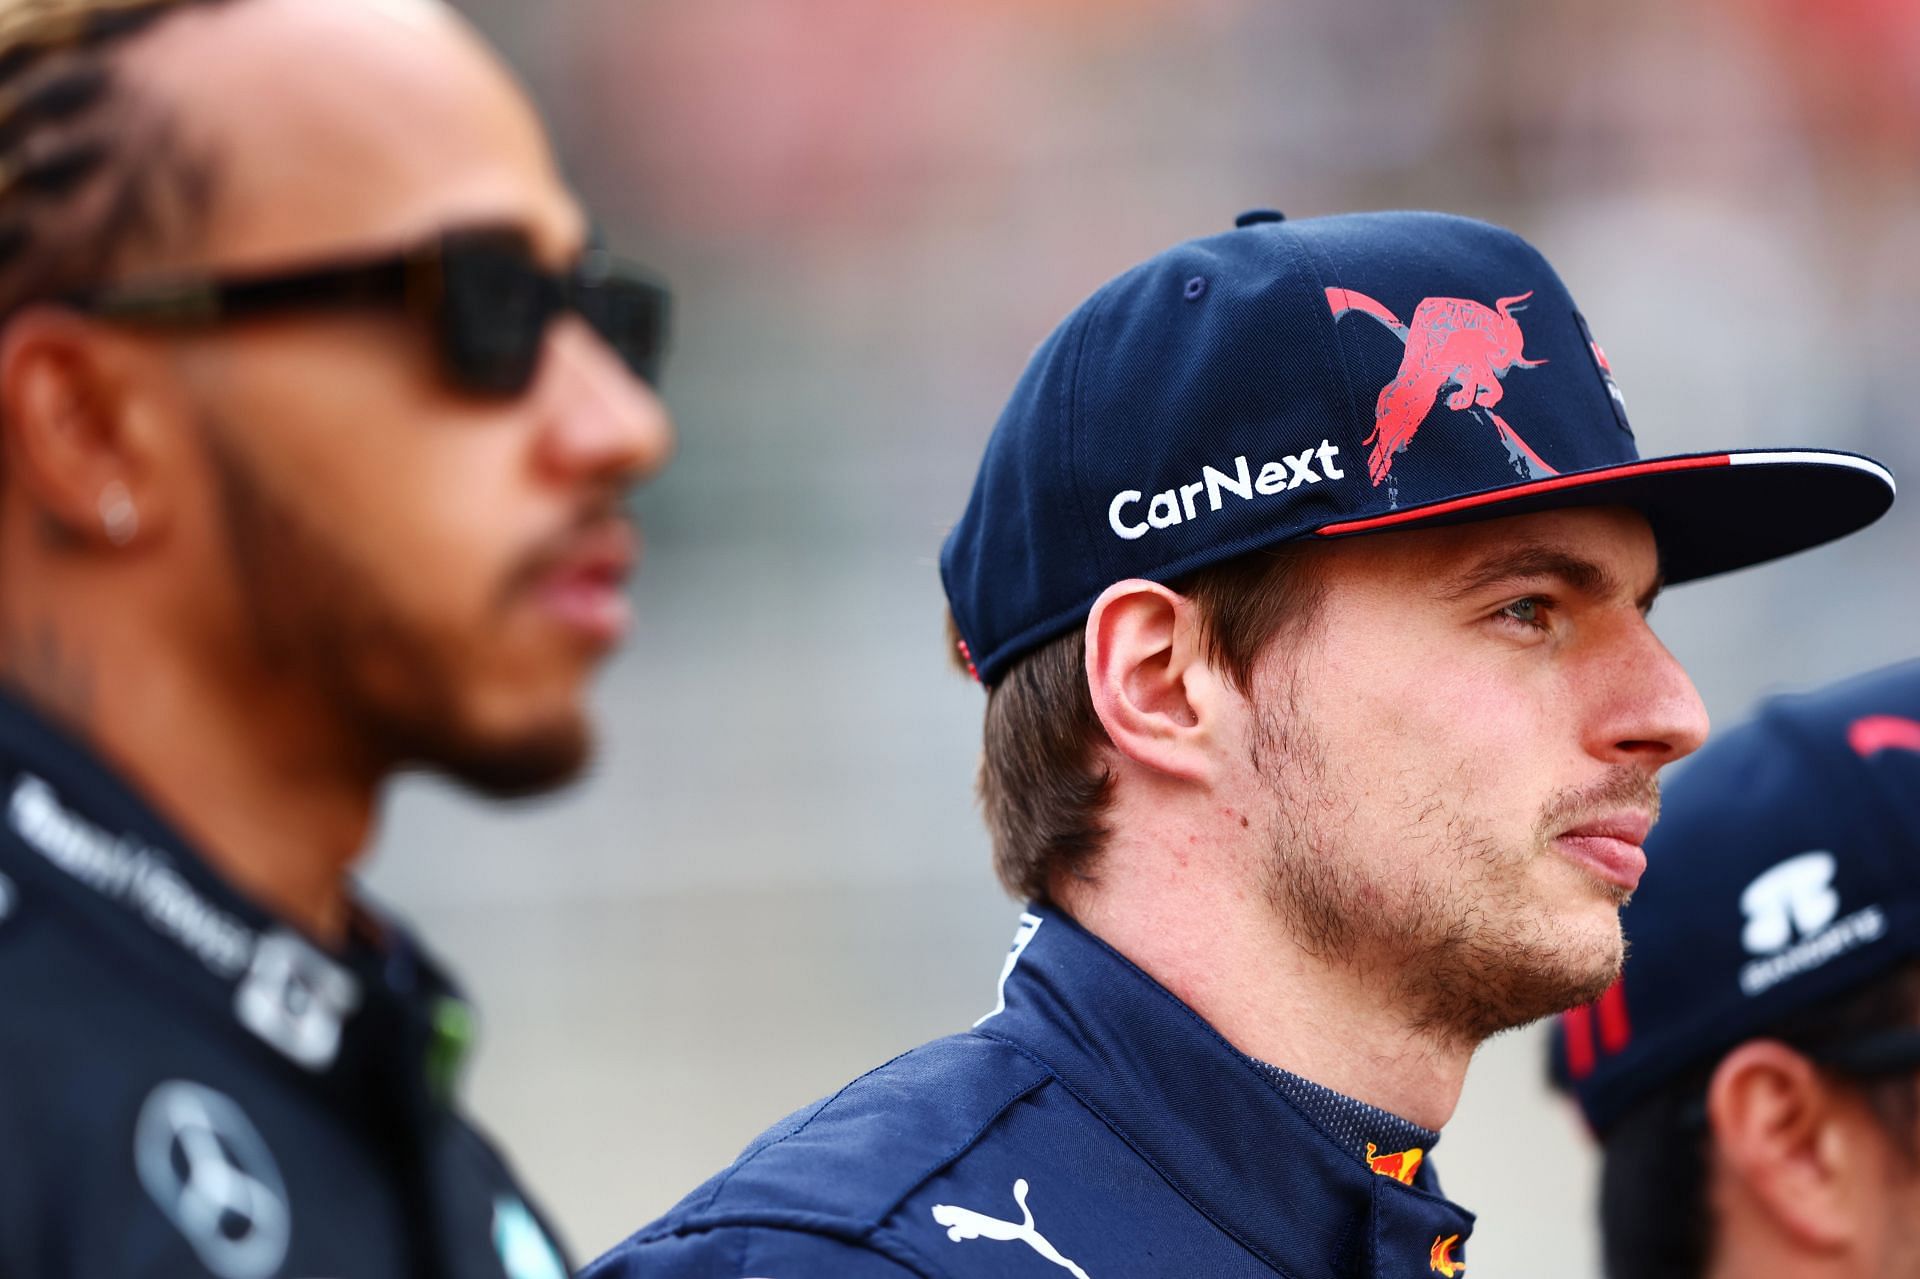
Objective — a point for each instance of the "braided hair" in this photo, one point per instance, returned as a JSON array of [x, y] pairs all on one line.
[[88, 173]]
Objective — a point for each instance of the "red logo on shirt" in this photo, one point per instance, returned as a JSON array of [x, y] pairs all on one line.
[[1441, 1258], [1400, 1166]]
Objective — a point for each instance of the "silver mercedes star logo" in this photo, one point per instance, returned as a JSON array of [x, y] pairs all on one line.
[[210, 1171]]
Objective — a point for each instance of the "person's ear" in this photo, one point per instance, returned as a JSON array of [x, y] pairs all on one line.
[[1157, 696], [1797, 1144], [85, 439]]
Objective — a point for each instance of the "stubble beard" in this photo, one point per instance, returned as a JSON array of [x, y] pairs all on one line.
[[1454, 940], [316, 617]]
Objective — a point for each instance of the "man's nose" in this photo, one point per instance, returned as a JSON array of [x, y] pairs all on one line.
[[1653, 714], [599, 420]]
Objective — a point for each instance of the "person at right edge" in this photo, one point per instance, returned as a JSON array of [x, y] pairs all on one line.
[[1754, 1075], [1307, 572]]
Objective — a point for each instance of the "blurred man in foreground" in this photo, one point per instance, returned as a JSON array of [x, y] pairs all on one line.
[[317, 414], [1308, 571], [1755, 1073]]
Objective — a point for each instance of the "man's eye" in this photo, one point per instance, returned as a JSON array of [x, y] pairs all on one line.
[[1531, 611]]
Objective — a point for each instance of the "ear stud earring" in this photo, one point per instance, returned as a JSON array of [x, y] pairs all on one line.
[[118, 516]]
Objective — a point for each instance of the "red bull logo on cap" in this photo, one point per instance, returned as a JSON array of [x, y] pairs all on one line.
[[1451, 342]]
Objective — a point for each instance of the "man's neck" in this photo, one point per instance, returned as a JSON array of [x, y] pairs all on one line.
[[234, 769], [1194, 916]]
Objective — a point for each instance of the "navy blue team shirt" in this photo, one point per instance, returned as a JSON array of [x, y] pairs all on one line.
[[1092, 1125], [189, 1087]]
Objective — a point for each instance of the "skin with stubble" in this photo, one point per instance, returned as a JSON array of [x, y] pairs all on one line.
[[343, 567], [1417, 825]]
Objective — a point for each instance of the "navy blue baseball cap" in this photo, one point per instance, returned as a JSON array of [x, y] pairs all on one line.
[[1330, 377], [1784, 871]]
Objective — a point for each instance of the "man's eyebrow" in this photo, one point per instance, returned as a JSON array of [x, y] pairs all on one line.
[[1532, 561]]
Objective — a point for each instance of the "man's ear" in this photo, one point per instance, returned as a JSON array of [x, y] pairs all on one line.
[[1796, 1144], [82, 442], [1153, 689]]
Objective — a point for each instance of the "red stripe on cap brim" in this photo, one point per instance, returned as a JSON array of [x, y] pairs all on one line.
[[1527, 489], [1711, 512]]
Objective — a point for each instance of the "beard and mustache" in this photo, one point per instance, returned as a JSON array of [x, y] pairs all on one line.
[[316, 616], [1455, 934]]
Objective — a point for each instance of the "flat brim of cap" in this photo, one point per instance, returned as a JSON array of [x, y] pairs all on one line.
[[1711, 512]]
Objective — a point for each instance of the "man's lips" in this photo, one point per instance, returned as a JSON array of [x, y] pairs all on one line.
[[1610, 846], [582, 584]]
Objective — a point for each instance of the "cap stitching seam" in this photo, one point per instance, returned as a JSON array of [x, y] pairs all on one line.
[[1299, 249], [1072, 462]]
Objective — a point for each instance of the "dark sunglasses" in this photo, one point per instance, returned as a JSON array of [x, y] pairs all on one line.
[[485, 293]]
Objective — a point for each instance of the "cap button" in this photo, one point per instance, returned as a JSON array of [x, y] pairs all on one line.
[[1253, 217]]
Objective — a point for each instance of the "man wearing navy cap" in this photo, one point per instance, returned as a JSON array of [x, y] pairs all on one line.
[[1303, 815], [1752, 1073]]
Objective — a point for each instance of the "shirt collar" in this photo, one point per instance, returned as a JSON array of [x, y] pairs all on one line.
[[80, 839], [1235, 1145], [1363, 1129]]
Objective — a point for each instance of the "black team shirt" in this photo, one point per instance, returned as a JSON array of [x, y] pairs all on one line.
[[191, 1087]]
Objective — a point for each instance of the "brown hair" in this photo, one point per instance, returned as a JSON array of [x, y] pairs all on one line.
[[1044, 786], [86, 173]]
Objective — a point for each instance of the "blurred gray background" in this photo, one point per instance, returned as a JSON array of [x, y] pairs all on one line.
[[872, 210]]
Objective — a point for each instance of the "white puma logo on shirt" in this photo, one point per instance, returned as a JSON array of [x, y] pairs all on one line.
[[965, 1223]]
